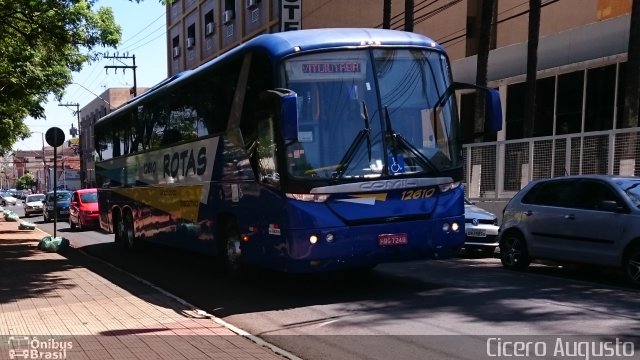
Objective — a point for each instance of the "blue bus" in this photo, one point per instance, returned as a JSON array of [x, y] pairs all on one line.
[[301, 151]]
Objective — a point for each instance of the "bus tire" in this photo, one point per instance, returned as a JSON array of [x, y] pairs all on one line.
[[128, 235], [229, 246]]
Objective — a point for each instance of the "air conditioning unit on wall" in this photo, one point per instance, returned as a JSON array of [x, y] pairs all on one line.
[[208, 28], [227, 16], [191, 42], [176, 51]]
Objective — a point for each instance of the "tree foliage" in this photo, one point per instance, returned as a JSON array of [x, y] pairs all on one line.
[[43, 42], [26, 181]]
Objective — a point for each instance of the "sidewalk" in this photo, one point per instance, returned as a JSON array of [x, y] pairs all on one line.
[[53, 306]]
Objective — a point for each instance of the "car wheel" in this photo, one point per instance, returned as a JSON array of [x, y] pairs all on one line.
[[4, 203], [513, 252], [631, 265], [229, 246]]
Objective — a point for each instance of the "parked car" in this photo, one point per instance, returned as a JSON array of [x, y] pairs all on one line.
[[83, 210], [481, 228], [7, 199], [591, 219], [59, 200], [33, 204]]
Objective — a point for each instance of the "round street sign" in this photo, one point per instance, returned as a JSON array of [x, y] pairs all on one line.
[[54, 136]]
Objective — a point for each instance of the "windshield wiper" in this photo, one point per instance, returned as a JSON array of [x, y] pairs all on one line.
[[397, 141], [364, 134]]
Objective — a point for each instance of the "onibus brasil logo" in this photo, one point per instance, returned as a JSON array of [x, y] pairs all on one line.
[[25, 347]]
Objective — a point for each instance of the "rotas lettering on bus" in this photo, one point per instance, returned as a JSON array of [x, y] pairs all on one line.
[[183, 163]]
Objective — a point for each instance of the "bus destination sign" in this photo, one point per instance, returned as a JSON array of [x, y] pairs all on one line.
[[331, 67]]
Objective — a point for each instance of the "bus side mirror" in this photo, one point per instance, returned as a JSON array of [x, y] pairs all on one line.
[[289, 116], [287, 102], [494, 111]]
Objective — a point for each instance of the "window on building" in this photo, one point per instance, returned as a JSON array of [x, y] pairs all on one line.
[[175, 44], [229, 11], [601, 86], [545, 99], [622, 71], [209, 23], [569, 107], [515, 110], [191, 36]]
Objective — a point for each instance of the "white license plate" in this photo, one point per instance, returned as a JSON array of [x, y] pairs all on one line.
[[476, 233], [393, 239], [64, 212]]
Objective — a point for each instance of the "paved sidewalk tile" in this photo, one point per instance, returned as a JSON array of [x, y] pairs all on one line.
[[51, 306]]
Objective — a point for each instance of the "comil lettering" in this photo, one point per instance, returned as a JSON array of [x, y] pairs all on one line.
[[185, 163]]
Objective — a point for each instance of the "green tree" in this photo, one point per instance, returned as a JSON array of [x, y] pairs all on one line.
[[26, 181], [43, 42]]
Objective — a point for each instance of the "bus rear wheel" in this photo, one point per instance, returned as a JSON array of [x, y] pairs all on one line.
[[124, 231]]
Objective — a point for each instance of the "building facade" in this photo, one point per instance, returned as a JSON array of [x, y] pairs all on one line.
[[40, 163]]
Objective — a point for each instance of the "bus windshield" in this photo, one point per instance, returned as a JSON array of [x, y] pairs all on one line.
[[372, 114]]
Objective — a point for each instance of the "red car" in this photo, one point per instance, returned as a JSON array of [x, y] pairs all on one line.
[[83, 211]]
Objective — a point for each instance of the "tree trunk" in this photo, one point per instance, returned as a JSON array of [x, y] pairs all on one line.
[[628, 165], [532, 63], [408, 15], [386, 14], [630, 111], [484, 42]]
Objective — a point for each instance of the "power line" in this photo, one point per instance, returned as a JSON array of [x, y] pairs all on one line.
[[144, 28]]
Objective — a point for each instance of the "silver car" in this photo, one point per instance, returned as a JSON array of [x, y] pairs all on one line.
[[6, 199], [33, 204], [481, 228], [591, 219]]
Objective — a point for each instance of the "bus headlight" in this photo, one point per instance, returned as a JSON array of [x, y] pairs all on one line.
[[449, 186], [313, 239], [454, 227], [329, 237]]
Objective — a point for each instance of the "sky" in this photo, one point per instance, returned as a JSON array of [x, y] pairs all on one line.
[[143, 35]]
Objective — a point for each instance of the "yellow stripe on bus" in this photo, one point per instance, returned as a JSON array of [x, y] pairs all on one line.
[[182, 202]]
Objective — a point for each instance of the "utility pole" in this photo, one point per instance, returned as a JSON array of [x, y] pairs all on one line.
[[133, 91], [73, 132], [408, 15]]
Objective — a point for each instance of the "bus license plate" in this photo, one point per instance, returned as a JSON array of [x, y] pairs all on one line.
[[476, 233], [393, 239]]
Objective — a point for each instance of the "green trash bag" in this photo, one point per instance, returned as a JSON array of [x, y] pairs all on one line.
[[11, 216], [53, 244], [26, 226]]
